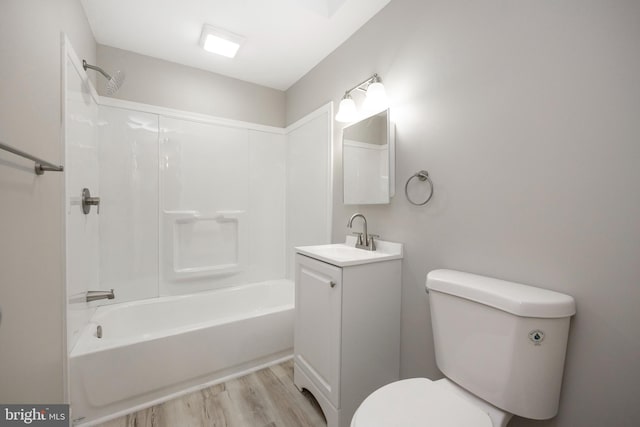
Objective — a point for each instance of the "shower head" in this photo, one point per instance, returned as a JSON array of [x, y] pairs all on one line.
[[113, 83]]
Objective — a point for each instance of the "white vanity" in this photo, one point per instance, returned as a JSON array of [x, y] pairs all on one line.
[[347, 323]]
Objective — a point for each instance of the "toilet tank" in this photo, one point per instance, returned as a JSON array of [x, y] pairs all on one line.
[[502, 341]]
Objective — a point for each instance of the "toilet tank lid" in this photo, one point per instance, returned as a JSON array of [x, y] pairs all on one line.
[[515, 298]]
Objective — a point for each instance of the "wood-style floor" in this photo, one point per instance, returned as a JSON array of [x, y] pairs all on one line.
[[266, 398]]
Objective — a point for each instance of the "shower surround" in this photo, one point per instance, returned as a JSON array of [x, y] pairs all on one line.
[[197, 221]]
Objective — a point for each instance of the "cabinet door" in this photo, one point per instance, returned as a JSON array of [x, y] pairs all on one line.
[[317, 324]]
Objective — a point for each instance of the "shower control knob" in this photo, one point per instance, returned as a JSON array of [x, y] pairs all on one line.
[[88, 201]]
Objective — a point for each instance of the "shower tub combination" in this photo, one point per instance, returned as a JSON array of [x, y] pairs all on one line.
[[197, 203], [157, 349]]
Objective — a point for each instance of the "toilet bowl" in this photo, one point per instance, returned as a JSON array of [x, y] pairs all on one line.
[[419, 402]]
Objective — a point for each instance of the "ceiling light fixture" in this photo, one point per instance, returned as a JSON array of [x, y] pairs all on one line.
[[222, 42], [375, 101]]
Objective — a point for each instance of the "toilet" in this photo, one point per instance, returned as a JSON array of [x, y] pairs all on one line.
[[501, 346]]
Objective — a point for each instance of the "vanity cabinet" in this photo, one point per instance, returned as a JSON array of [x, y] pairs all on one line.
[[347, 330], [317, 323]]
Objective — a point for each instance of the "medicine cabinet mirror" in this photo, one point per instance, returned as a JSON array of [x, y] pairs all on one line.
[[368, 160]]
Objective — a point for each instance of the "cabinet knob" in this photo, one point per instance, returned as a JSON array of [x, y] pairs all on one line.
[[332, 284]]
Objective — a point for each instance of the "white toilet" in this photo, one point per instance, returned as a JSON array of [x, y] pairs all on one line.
[[501, 346]]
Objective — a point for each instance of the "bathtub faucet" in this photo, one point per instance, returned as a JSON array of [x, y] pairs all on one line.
[[96, 295]]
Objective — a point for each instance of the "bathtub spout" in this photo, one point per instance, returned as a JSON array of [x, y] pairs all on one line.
[[96, 295]]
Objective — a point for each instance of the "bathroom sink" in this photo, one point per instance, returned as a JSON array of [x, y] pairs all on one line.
[[346, 254]]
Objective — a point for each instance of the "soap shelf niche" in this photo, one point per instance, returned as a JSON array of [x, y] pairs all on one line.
[[204, 244]]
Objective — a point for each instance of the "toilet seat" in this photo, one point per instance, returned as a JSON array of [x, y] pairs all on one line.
[[418, 402]]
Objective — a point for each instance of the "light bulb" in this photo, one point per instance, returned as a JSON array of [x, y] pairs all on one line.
[[347, 111], [376, 99]]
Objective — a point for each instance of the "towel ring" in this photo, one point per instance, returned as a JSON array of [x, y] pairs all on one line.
[[422, 176]]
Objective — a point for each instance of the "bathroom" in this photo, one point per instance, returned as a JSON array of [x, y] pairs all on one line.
[[523, 113]]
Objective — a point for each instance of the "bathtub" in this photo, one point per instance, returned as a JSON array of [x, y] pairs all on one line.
[[157, 349]]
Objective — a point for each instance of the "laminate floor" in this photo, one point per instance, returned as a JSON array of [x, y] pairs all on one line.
[[266, 398]]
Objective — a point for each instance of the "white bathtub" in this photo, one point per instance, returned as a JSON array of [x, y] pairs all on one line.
[[157, 349]]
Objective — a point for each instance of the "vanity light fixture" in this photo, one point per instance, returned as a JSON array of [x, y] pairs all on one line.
[[375, 101], [222, 42]]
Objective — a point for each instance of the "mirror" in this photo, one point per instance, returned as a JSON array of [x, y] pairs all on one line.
[[368, 161]]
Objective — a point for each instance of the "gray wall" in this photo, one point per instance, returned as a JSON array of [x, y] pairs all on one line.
[[526, 116], [167, 84], [31, 207]]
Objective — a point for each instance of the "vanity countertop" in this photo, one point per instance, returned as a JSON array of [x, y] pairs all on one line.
[[346, 254]]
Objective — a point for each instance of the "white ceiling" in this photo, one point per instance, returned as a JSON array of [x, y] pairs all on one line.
[[284, 38]]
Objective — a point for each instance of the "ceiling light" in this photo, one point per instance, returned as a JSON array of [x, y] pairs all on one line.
[[222, 42], [375, 101]]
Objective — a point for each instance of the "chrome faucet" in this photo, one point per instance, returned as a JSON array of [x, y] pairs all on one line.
[[96, 295], [365, 240]]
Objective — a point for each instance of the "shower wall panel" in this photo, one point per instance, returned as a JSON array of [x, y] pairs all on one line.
[[308, 184], [128, 153], [267, 197], [213, 207], [187, 203]]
